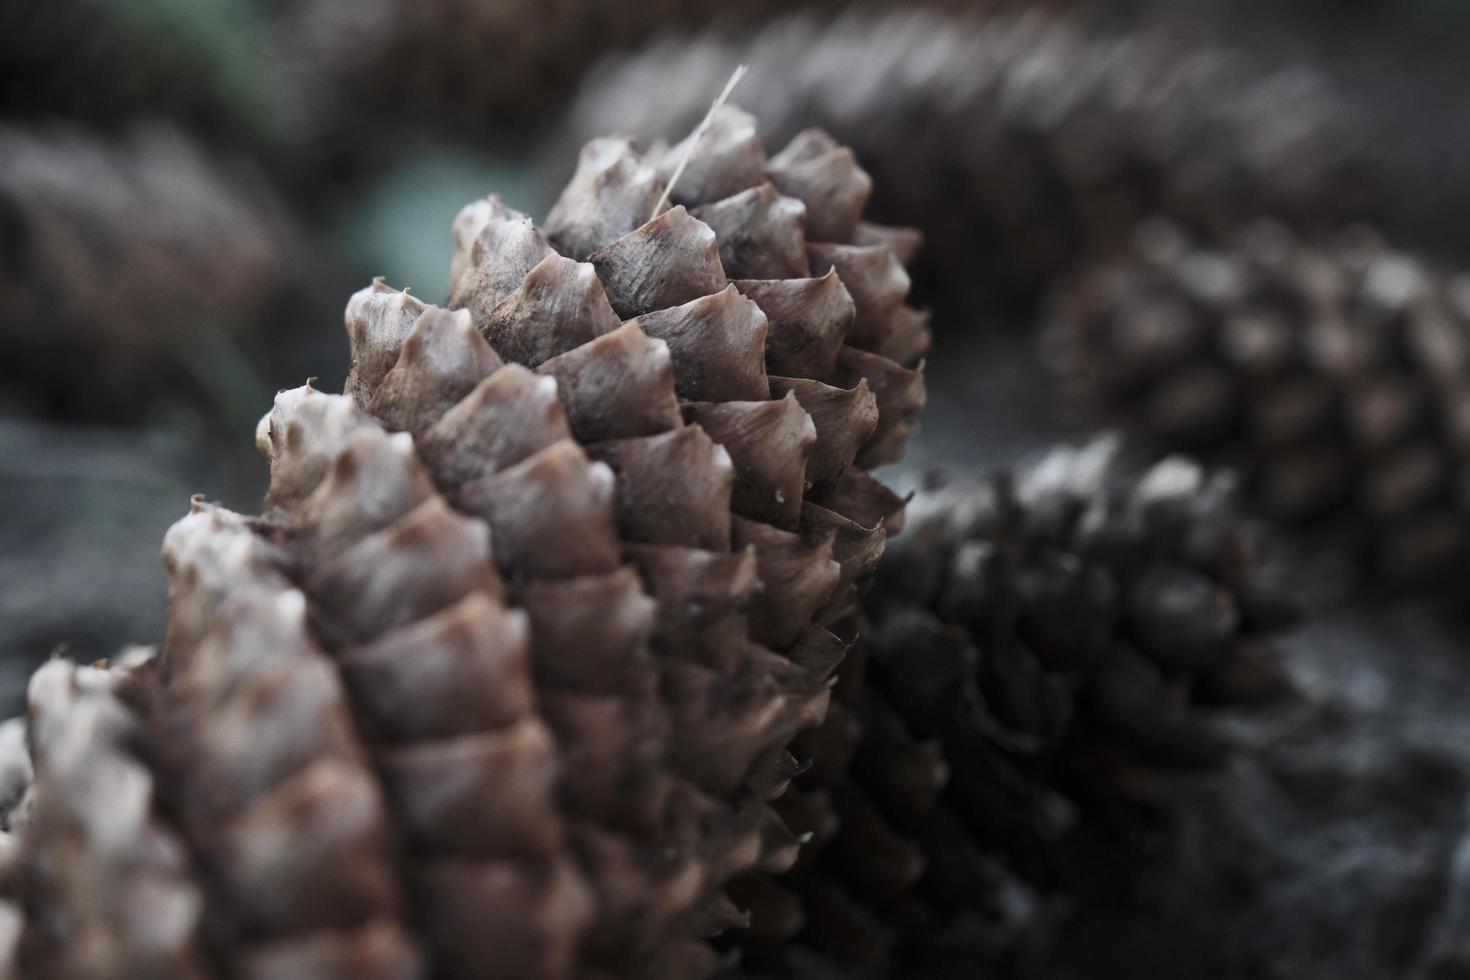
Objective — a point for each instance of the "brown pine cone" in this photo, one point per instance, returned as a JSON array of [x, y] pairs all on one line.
[[130, 264], [1018, 142], [108, 882], [659, 365], [1333, 375], [564, 596], [264, 771], [1044, 646]]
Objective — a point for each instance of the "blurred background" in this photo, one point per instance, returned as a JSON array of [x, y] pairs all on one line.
[[190, 189]]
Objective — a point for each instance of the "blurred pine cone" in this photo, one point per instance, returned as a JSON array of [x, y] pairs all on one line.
[[456, 63], [1046, 643], [1019, 142], [130, 265], [541, 648], [1333, 375]]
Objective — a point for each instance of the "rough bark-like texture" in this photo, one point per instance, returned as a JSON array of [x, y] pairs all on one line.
[[265, 771], [1045, 650], [108, 883], [501, 680], [701, 477], [1018, 142], [1333, 375]]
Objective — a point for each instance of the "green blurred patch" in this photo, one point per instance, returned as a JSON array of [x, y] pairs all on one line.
[[233, 38]]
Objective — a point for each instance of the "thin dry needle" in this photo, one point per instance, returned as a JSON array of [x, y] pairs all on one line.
[[699, 131]]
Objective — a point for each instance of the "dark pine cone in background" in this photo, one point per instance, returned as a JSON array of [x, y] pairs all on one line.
[[1018, 142], [501, 681], [1045, 647], [1333, 375], [129, 264], [455, 63]]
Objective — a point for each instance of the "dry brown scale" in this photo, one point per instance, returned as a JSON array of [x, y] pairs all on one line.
[[1332, 374], [1018, 141], [502, 679], [106, 883], [1045, 646]]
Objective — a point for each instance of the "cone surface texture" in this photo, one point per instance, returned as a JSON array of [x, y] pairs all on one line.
[[1334, 376], [1044, 648], [500, 682], [1018, 142]]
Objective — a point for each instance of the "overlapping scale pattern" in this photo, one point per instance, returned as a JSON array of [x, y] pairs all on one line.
[[500, 683], [264, 771], [107, 881], [1332, 373], [1020, 140], [634, 458], [1043, 648]]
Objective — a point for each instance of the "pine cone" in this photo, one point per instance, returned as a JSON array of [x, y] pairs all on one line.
[[462, 61], [108, 881], [129, 264], [1045, 643], [511, 659], [1333, 375], [1019, 142]]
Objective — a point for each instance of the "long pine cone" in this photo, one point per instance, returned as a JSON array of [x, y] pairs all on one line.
[[1333, 375], [1045, 646], [1019, 141], [500, 682]]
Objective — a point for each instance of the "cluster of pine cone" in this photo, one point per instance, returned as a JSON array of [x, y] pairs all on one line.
[[553, 653], [1203, 237], [1022, 140], [576, 637]]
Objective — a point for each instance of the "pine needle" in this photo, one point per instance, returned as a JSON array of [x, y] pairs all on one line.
[[699, 132]]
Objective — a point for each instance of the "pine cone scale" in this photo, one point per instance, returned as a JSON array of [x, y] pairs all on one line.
[[501, 681]]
